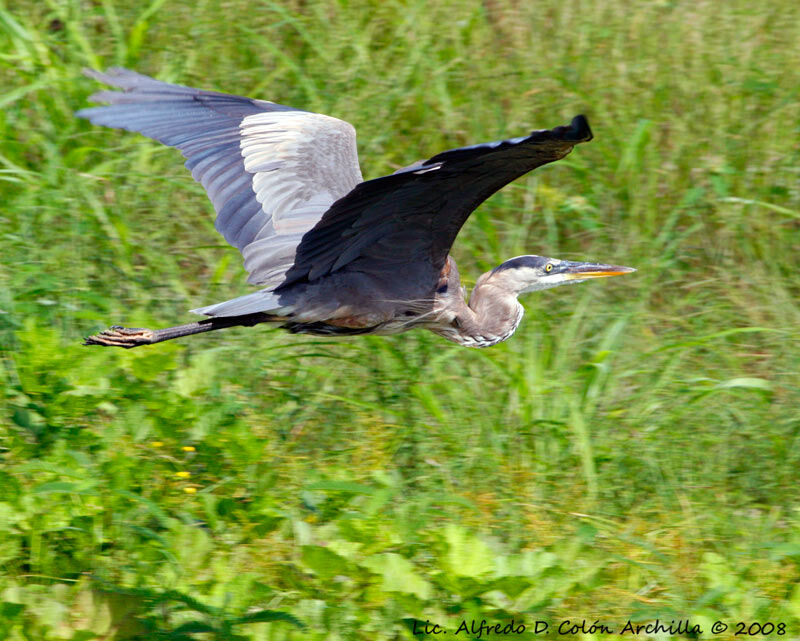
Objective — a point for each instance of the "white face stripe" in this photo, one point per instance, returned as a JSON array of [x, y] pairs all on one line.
[[546, 281]]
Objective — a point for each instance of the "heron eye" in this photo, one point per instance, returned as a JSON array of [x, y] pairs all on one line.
[[548, 268]]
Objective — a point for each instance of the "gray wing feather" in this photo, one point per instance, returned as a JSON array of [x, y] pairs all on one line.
[[271, 171]]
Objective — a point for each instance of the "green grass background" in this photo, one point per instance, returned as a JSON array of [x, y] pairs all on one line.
[[632, 452]]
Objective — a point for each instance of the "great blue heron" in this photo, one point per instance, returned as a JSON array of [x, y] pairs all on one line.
[[333, 254]]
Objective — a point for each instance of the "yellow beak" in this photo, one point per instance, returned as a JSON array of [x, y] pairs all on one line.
[[581, 271]]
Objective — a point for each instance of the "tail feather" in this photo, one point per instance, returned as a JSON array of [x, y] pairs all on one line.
[[263, 301]]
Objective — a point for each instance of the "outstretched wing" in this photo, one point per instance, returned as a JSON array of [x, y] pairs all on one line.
[[414, 215], [271, 171]]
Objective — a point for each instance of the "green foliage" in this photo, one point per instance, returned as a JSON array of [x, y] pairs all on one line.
[[631, 453]]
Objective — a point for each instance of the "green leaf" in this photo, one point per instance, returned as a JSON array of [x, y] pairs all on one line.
[[323, 562], [747, 383], [467, 555], [398, 575], [66, 487], [771, 206], [266, 616], [10, 610], [191, 627], [55, 486]]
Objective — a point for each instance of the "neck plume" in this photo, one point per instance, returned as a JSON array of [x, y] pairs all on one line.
[[491, 317]]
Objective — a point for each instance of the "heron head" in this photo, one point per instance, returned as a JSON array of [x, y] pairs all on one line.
[[525, 274]]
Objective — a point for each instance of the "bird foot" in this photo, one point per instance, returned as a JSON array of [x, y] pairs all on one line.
[[116, 336]]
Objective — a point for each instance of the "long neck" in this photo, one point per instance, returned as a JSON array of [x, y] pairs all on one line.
[[491, 317]]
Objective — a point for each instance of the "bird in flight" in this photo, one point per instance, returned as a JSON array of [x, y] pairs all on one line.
[[331, 253]]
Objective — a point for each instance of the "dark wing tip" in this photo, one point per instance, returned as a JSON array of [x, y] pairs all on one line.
[[579, 129], [576, 131]]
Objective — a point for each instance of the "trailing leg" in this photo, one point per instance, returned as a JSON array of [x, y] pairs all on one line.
[[128, 337]]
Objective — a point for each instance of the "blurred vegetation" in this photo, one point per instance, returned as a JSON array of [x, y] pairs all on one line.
[[632, 452]]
